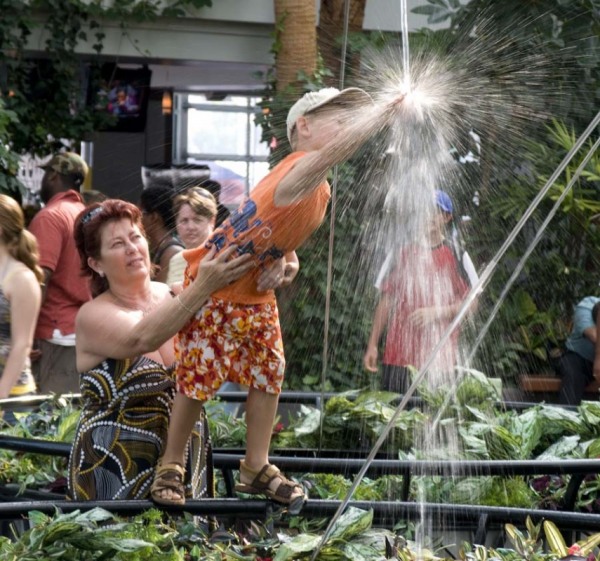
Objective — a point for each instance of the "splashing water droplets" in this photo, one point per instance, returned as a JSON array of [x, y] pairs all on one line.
[[449, 96]]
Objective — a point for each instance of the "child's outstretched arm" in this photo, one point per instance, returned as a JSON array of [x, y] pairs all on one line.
[[312, 169], [380, 319]]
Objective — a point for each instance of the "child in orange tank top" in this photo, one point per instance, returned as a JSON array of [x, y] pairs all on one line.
[[236, 335]]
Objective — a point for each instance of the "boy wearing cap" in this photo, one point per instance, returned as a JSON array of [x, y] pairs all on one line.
[[417, 302], [65, 290], [236, 335]]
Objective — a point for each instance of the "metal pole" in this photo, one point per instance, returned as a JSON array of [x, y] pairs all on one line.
[[325, 359]]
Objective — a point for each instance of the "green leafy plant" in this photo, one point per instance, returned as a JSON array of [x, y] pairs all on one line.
[[9, 160], [98, 535], [351, 420], [558, 546], [76, 536], [537, 313], [226, 429], [528, 545], [46, 95], [354, 419], [55, 420]]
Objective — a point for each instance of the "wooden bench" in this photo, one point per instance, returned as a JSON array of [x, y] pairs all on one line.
[[538, 383]]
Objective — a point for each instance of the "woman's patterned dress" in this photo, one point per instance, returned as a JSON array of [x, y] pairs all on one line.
[[122, 432]]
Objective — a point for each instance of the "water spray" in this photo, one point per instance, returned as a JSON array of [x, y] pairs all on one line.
[[517, 271], [521, 264], [456, 322]]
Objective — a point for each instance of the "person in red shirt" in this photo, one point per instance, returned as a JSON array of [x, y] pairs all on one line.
[[64, 290], [236, 335], [418, 301]]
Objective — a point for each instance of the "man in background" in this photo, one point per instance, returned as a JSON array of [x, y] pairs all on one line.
[[65, 290], [576, 365]]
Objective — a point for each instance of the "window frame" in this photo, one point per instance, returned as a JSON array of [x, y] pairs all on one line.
[[181, 106]]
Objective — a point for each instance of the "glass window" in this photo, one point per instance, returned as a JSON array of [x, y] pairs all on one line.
[[218, 130], [212, 132]]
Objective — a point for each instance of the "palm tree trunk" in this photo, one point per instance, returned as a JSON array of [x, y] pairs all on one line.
[[331, 31], [296, 43]]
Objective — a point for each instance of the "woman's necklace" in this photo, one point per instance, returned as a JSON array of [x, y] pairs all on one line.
[[146, 309]]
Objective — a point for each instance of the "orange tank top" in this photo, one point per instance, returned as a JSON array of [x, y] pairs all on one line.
[[267, 232]]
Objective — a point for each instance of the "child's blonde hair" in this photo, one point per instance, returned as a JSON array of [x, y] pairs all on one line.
[[200, 200]]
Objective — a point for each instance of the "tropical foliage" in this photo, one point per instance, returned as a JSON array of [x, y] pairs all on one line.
[[54, 420], [483, 430], [564, 32], [97, 535], [48, 96], [9, 160], [536, 316], [558, 79]]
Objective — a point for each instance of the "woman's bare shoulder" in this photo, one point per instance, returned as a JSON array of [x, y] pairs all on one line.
[[21, 279], [101, 306], [17, 271]]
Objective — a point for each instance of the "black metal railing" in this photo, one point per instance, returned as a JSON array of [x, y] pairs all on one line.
[[14, 504], [229, 460]]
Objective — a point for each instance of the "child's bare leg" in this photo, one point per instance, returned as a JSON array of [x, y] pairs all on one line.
[[261, 409], [185, 413]]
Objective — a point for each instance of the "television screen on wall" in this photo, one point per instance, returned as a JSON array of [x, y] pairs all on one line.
[[123, 93]]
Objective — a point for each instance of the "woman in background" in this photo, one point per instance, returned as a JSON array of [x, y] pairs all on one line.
[[195, 212], [20, 299], [158, 219]]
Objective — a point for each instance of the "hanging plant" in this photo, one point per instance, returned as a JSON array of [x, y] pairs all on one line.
[[48, 95], [9, 160]]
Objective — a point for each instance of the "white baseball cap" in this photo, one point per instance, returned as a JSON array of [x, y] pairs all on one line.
[[312, 100]]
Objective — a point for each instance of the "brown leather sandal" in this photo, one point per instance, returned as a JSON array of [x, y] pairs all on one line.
[[287, 492], [168, 477]]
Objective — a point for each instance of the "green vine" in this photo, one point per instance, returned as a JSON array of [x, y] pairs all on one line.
[[9, 161], [46, 98]]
